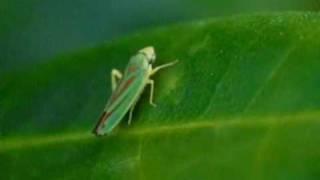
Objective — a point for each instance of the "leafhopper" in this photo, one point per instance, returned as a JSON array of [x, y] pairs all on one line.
[[127, 88]]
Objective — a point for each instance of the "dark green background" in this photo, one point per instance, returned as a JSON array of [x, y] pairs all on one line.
[[35, 30]]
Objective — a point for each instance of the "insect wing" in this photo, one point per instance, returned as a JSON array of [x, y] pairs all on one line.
[[121, 100]]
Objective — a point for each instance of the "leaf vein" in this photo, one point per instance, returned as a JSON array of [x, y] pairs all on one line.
[[266, 121]]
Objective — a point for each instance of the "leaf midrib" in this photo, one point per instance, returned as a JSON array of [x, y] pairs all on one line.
[[15, 143]]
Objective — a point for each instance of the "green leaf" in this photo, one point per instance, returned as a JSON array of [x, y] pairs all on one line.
[[243, 103]]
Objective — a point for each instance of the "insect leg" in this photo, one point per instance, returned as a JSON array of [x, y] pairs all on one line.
[[151, 82], [156, 69], [130, 114], [116, 75], [131, 111]]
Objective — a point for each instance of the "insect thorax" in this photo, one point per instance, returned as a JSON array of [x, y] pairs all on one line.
[[138, 61]]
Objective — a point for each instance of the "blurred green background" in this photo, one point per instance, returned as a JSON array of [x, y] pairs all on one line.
[[36, 30]]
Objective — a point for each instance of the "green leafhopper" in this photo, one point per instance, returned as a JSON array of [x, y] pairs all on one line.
[[127, 88]]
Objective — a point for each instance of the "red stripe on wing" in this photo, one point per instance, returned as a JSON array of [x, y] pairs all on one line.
[[104, 116], [119, 91], [132, 68]]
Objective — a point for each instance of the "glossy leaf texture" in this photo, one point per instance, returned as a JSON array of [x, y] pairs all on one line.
[[243, 103]]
